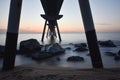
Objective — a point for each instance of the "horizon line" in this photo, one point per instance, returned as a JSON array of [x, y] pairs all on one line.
[[30, 32]]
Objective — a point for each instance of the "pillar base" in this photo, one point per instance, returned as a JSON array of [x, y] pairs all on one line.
[[94, 49], [10, 51]]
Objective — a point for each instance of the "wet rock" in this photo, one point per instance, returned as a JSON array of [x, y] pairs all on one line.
[[119, 52], [58, 59], [110, 54], [52, 48], [88, 54], [48, 51], [81, 49], [116, 58], [2, 49], [75, 58], [108, 43], [81, 45], [29, 46], [40, 55], [71, 44], [68, 48]]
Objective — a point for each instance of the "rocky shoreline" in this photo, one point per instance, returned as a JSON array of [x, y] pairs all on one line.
[[32, 48]]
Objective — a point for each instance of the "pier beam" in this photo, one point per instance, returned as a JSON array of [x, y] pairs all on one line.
[[44, 30], [90, 33], [12, 34], [58, 32]]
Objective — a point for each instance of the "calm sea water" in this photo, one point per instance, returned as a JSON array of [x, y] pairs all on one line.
[[66, 39]]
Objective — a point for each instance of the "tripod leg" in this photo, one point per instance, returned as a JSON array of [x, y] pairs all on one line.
[[44, 31], [58, 31]]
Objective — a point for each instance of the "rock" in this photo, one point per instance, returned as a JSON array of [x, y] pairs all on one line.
[[75, 58], [81, 49], [116, 58], [81, 45], [68, 48], [33, 49], [48, 51], [29, 46], [39, 55], [110, 54], [119, 52], [52, 48], [58, 59], [2, 49], [108, 43], [71, 44], [88, 54]]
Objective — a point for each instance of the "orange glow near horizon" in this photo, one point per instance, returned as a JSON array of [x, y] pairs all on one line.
[[64, 28], [106, 17]]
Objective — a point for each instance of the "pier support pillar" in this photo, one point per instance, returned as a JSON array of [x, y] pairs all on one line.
[[12, 34], [90, 33], [44, 30], [58, 32]]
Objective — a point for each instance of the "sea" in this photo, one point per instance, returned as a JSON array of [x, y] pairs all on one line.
[[68, 39]]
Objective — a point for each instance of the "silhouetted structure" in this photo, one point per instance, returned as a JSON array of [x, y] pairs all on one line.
[[52, 8], [12, 34], [90, 33]]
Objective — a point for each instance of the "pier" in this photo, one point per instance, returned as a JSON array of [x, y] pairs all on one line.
[[51, 16]]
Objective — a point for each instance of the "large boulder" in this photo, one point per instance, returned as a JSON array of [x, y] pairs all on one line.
[[2, 49], [29, 46], [75, 58], [48, 51], [81, 45], [52, 48], [108, 43]]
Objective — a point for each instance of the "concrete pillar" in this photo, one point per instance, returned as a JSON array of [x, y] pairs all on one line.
[[12, 34], [90, 33], [44, 30], [58, 32]]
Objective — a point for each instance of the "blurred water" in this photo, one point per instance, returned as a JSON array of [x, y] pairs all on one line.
[[66, 39]]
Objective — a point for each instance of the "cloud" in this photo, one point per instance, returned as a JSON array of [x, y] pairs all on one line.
[[103, 24]]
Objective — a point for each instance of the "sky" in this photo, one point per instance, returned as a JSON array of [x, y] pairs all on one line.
[[106, 16]]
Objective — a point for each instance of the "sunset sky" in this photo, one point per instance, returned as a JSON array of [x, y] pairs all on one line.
[[106, 15]]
